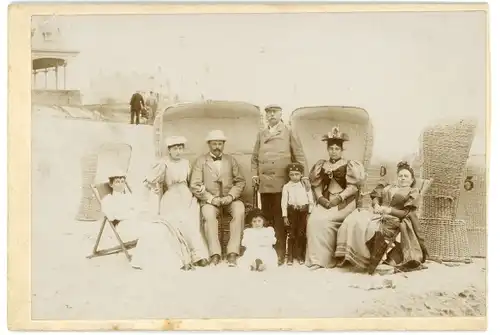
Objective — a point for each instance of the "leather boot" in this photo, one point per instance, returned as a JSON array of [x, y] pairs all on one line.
[[202, 262]]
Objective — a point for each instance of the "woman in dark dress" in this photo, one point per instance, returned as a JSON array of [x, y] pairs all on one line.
[[335, 183], [362, 238]]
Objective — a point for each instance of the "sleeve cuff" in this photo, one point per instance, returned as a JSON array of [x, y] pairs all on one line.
[[210, 198]]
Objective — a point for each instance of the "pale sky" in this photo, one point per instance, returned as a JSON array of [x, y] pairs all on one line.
[[405, 69]]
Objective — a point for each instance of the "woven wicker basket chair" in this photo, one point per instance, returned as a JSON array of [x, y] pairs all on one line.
[[310, 123], [93, 164], [472, 205], [195, 120], [445, 151]]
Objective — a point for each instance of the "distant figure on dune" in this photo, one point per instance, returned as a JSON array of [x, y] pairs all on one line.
[[136, 105], [152, 104]]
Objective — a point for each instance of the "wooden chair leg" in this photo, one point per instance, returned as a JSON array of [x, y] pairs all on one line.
[[122, 245], [99, 236], [113, 250]]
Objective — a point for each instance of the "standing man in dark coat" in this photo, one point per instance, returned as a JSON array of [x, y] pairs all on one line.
[[136, 106], [276, 147]]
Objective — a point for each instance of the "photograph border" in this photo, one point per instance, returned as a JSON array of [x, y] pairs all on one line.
[[19, 171]]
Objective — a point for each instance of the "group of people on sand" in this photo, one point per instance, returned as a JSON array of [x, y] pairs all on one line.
[[313, 215]]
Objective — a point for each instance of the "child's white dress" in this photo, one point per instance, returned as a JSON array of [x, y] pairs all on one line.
[[259, 245]]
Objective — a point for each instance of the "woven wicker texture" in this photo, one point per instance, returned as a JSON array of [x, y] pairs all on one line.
[[446, 240], [95, 167], [372, 180], [310, 124], [478, 242], [423, 186], [472, 205], [224, 233], [89, 209], [445, 150]]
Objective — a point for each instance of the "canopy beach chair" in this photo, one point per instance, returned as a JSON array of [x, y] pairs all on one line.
[[109, 154], [195, 120], [93, 165], [310, 123]]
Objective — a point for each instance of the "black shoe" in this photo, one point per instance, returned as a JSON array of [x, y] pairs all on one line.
[[231, 259], [202, 262], [215, 259]]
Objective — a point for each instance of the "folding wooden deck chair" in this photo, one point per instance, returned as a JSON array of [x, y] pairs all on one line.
[[102, 190], [422, 185]]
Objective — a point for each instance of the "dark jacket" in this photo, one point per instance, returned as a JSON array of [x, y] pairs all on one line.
[[135, 102]]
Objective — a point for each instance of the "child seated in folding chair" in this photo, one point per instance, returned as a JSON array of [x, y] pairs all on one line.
[[258, 241], [159, 245]]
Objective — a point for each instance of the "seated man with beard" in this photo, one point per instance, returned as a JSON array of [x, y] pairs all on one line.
[[217, 182]]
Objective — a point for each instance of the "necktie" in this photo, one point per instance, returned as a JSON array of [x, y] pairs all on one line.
[[217, 158]]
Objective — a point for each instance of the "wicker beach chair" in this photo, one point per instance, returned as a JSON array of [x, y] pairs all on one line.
[[445, 150], [93, 163], [102, 190], [310, 123], [472, 205], [194, 120]]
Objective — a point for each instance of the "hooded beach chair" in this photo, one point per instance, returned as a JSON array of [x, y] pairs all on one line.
[[109, 154], [102, 190], [233, 118]]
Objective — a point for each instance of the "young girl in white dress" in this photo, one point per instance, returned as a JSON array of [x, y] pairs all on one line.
[[169, 178], [258, 241]]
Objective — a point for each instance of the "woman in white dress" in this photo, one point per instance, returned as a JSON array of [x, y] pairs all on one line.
[[160, 245], [170, 178]]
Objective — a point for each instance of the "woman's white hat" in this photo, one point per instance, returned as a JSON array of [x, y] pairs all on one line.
[[175, 140], [216, 135]]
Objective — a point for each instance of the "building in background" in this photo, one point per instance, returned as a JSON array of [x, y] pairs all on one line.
[[50, 62]]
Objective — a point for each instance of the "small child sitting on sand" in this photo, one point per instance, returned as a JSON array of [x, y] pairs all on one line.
[[259, 254]]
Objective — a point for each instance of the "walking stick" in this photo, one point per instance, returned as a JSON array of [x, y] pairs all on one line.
[[221, 218], [255, 197]]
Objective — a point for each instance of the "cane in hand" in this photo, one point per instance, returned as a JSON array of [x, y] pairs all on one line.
[[255, 197]]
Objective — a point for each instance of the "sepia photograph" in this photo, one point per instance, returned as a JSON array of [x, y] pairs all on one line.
[[259, 165]]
